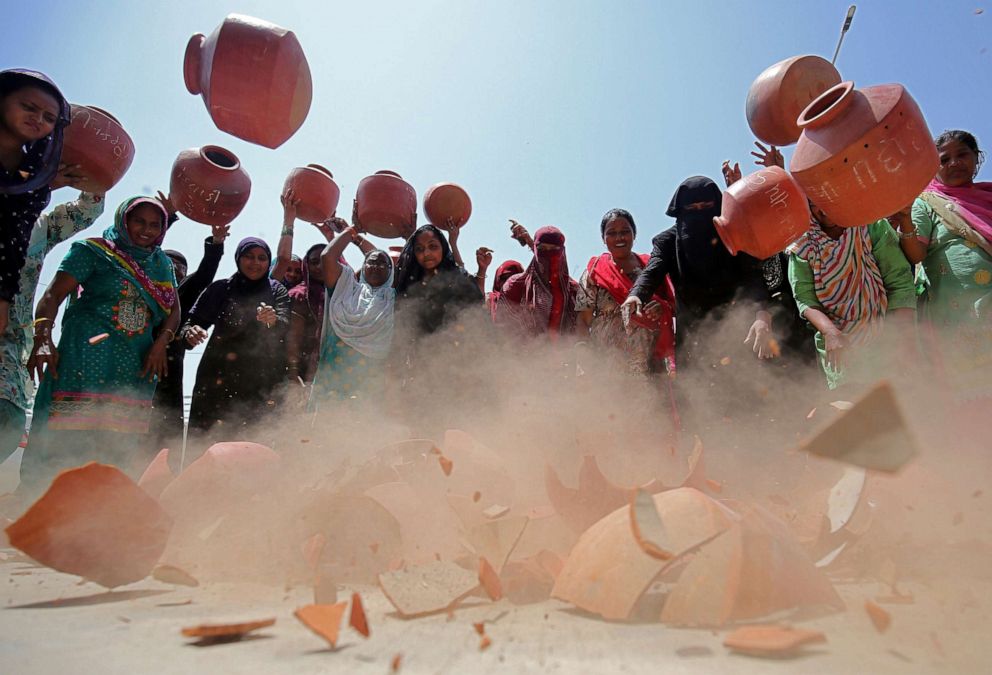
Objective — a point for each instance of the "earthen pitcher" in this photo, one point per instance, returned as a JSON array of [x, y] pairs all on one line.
[[762, 213], [782, 91], [209, 185], [386, 204], [254, 79], [864, 154], [447, 201], [101, 147], [318, 193]]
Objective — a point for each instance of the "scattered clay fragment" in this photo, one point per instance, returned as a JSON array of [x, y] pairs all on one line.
[[435, 450], [171, 574], [157, 475], [714, 485], [872, 434], [496, 511], [811, 413], [775, 348], [725, 361], [879, 617], [495, 540], [485, 643], [842, 405], [489, 580], [324, 620], [480, 628], [358, 620], [226, 631], [424, 589], [446, 464], [673, 522], [476, 496], [94, 522], [374, 547], [97, 339], [395, 664], [846, 497], [768, 640], [693, 650]]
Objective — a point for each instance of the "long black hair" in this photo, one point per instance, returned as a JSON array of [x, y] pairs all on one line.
[[409, 271]]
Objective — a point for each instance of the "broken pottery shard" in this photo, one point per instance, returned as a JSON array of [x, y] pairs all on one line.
[[489, 580], [608, 571], [95, 522], [395, 663], [158, 474], [170, 574], [692, 518], [424, 589], [496, 539], [842, 405], [873, 434], [753, 569], [324, 620], [496, 511], [226, 630], [879, 617], [357, 619], [97, 339], [594, 497], [845, 497], [445, 463], [531, 579], [485, 643], [761, 640]]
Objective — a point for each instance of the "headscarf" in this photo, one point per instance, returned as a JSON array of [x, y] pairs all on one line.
[[149, 269], [362, 315], [974, 204], [409, 271], [41, 158], [548, 305], [176, 255], [503, 273], [846, 278], [311, 291]]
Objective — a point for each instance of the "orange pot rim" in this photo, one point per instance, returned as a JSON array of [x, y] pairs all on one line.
[[222, 151], [827, 106]]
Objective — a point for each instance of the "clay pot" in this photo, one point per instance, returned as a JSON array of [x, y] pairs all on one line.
[[782, 91], [762, 213], [97, 142], [446, 201], [386, 204], [864, 154], [254, 79], [209, 185], [318, 193]]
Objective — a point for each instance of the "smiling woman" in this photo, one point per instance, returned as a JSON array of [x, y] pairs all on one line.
[[95, 394]]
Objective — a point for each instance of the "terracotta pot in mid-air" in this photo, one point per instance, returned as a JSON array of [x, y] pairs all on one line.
[[386, 204], [782, 91], [762, 213], [209, 185], [254, 79], [101, 147], [318, 193], [864, 154]]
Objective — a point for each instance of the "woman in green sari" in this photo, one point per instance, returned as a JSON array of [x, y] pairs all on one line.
[[950, 233], [96, 387]]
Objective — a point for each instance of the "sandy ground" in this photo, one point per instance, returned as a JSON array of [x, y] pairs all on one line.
[[52, 623]]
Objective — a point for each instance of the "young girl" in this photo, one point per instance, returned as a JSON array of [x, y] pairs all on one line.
[[33, 114]]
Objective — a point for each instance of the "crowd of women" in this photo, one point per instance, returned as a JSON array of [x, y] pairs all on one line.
[[285, 332]]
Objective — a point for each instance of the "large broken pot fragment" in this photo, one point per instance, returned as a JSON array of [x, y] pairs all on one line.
[[671, 523], [496, 539], [97, 523], [424, 589], [608, 571], [594, 497], [158, 474], [872, 434], [753, 569]]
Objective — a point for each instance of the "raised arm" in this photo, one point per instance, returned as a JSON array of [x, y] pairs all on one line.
[[329, 259], [284, 251]]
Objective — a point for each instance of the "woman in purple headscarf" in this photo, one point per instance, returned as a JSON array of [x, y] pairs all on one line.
[[33, 114], [245, 359]]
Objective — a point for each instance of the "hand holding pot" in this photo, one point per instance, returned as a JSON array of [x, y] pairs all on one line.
[[289, 204], [484, 258], [68, 175], [902, 220], [218, 233], [166, 202]]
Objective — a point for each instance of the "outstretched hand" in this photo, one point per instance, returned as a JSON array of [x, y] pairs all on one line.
[[731, 174], [769, 156]]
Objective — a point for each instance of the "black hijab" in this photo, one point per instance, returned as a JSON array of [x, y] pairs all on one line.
[[41, 158]]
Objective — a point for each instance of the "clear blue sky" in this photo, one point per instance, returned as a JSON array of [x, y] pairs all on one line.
[[547, 112]]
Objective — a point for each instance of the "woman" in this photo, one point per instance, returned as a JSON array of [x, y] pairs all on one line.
[[431, 289], [503, 274], [245, 359], [33, 115], [845, 281], [96, 393], [950, 233], [307, 306], [707, 278], [541, 299], [358, 322], [647, 343]]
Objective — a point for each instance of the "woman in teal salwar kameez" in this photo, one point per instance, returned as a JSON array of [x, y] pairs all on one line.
[[95, 395], [358, 323]]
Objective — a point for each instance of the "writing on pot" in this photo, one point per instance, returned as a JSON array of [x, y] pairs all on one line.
[[95, 125]]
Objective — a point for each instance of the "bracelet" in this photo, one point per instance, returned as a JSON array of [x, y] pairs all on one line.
[[909, 235], [169, 330], [286, 231], [480, 275]]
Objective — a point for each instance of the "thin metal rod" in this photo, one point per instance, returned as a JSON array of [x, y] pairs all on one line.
[[843, 31]]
